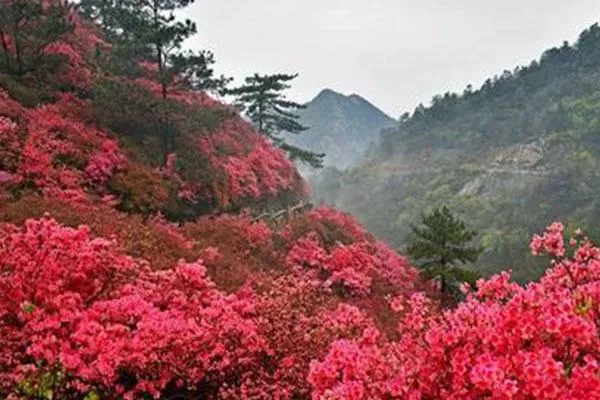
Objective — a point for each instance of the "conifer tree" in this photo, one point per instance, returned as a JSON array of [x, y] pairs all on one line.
[[441, 243], [26, 28], [149, 30], [263, 100]]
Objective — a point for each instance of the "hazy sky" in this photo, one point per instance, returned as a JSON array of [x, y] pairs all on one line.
[[395, 53]]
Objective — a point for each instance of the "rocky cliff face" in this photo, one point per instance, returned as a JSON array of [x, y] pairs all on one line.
[[515, 168]]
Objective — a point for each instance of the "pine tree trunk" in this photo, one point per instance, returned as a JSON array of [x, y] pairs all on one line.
[[159, 54], [442, 286], [260, 115], [5, 49], [17, 38]]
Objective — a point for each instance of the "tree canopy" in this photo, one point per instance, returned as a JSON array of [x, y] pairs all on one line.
[[263, 100], [441, 244]]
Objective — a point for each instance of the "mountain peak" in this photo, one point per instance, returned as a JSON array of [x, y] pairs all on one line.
[[327, 93], [343, 127]]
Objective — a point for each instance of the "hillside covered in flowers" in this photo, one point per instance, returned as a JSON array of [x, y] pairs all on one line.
[[131, 265]]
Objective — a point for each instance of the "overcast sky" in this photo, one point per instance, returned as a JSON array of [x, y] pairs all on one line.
[[395, 53]]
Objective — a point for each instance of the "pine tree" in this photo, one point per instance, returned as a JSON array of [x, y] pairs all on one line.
[[262, 99], [148, 30], [194, 71], [26, 28], [441, 243]]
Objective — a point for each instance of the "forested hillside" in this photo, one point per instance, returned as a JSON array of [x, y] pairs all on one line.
[[510, 157]]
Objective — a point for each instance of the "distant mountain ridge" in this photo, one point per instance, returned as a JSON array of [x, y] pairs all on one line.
[[343, 127], [511, 157]]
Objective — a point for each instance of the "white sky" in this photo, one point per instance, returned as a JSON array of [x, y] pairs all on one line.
[[395, 53]]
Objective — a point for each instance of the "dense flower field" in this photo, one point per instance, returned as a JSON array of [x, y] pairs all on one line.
[[504, 342], [76, 310], [129, 273]]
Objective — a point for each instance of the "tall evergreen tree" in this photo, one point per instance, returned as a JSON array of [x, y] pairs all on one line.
[[440, 244], [263, 101], [149, 30], [194, 71], [26, 28]]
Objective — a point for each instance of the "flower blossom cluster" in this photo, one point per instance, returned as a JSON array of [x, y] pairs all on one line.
[[351, 265], [74, 303], [551, 242], [74, 71], [504, 342], [54, 152], [252, 166]]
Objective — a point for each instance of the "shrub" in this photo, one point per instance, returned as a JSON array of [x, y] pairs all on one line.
[[504, 341]]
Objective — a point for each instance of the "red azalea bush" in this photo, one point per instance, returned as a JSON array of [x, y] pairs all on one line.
[[113, 325], [74, 71], [45, 149], [153, 239], [504, 342], [341, 253], [300, 320], [77, 309], [74, 304], [246, 165], [235, 250]]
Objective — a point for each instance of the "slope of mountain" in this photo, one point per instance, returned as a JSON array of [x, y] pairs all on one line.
[[127, 273], [521, 151], [342, 127], [121, 241]]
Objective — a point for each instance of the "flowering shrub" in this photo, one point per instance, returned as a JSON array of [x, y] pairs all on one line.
[[503, 342], [251, 167], [74, 71], [300, 320], [550, 242], [351, 265], [235, 251], [244, 248], [151, 239], [74, 303], [344, 221], [57, 154]]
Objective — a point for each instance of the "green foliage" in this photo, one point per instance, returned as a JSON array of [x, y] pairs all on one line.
[[42, 385], [149, 128], [149, 30], [440, 243], [27, 95], [135, 113], [262, 98], [514, 155], [194, 71], [30, 27], [153, 127], [92, 396], [442, 239]]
